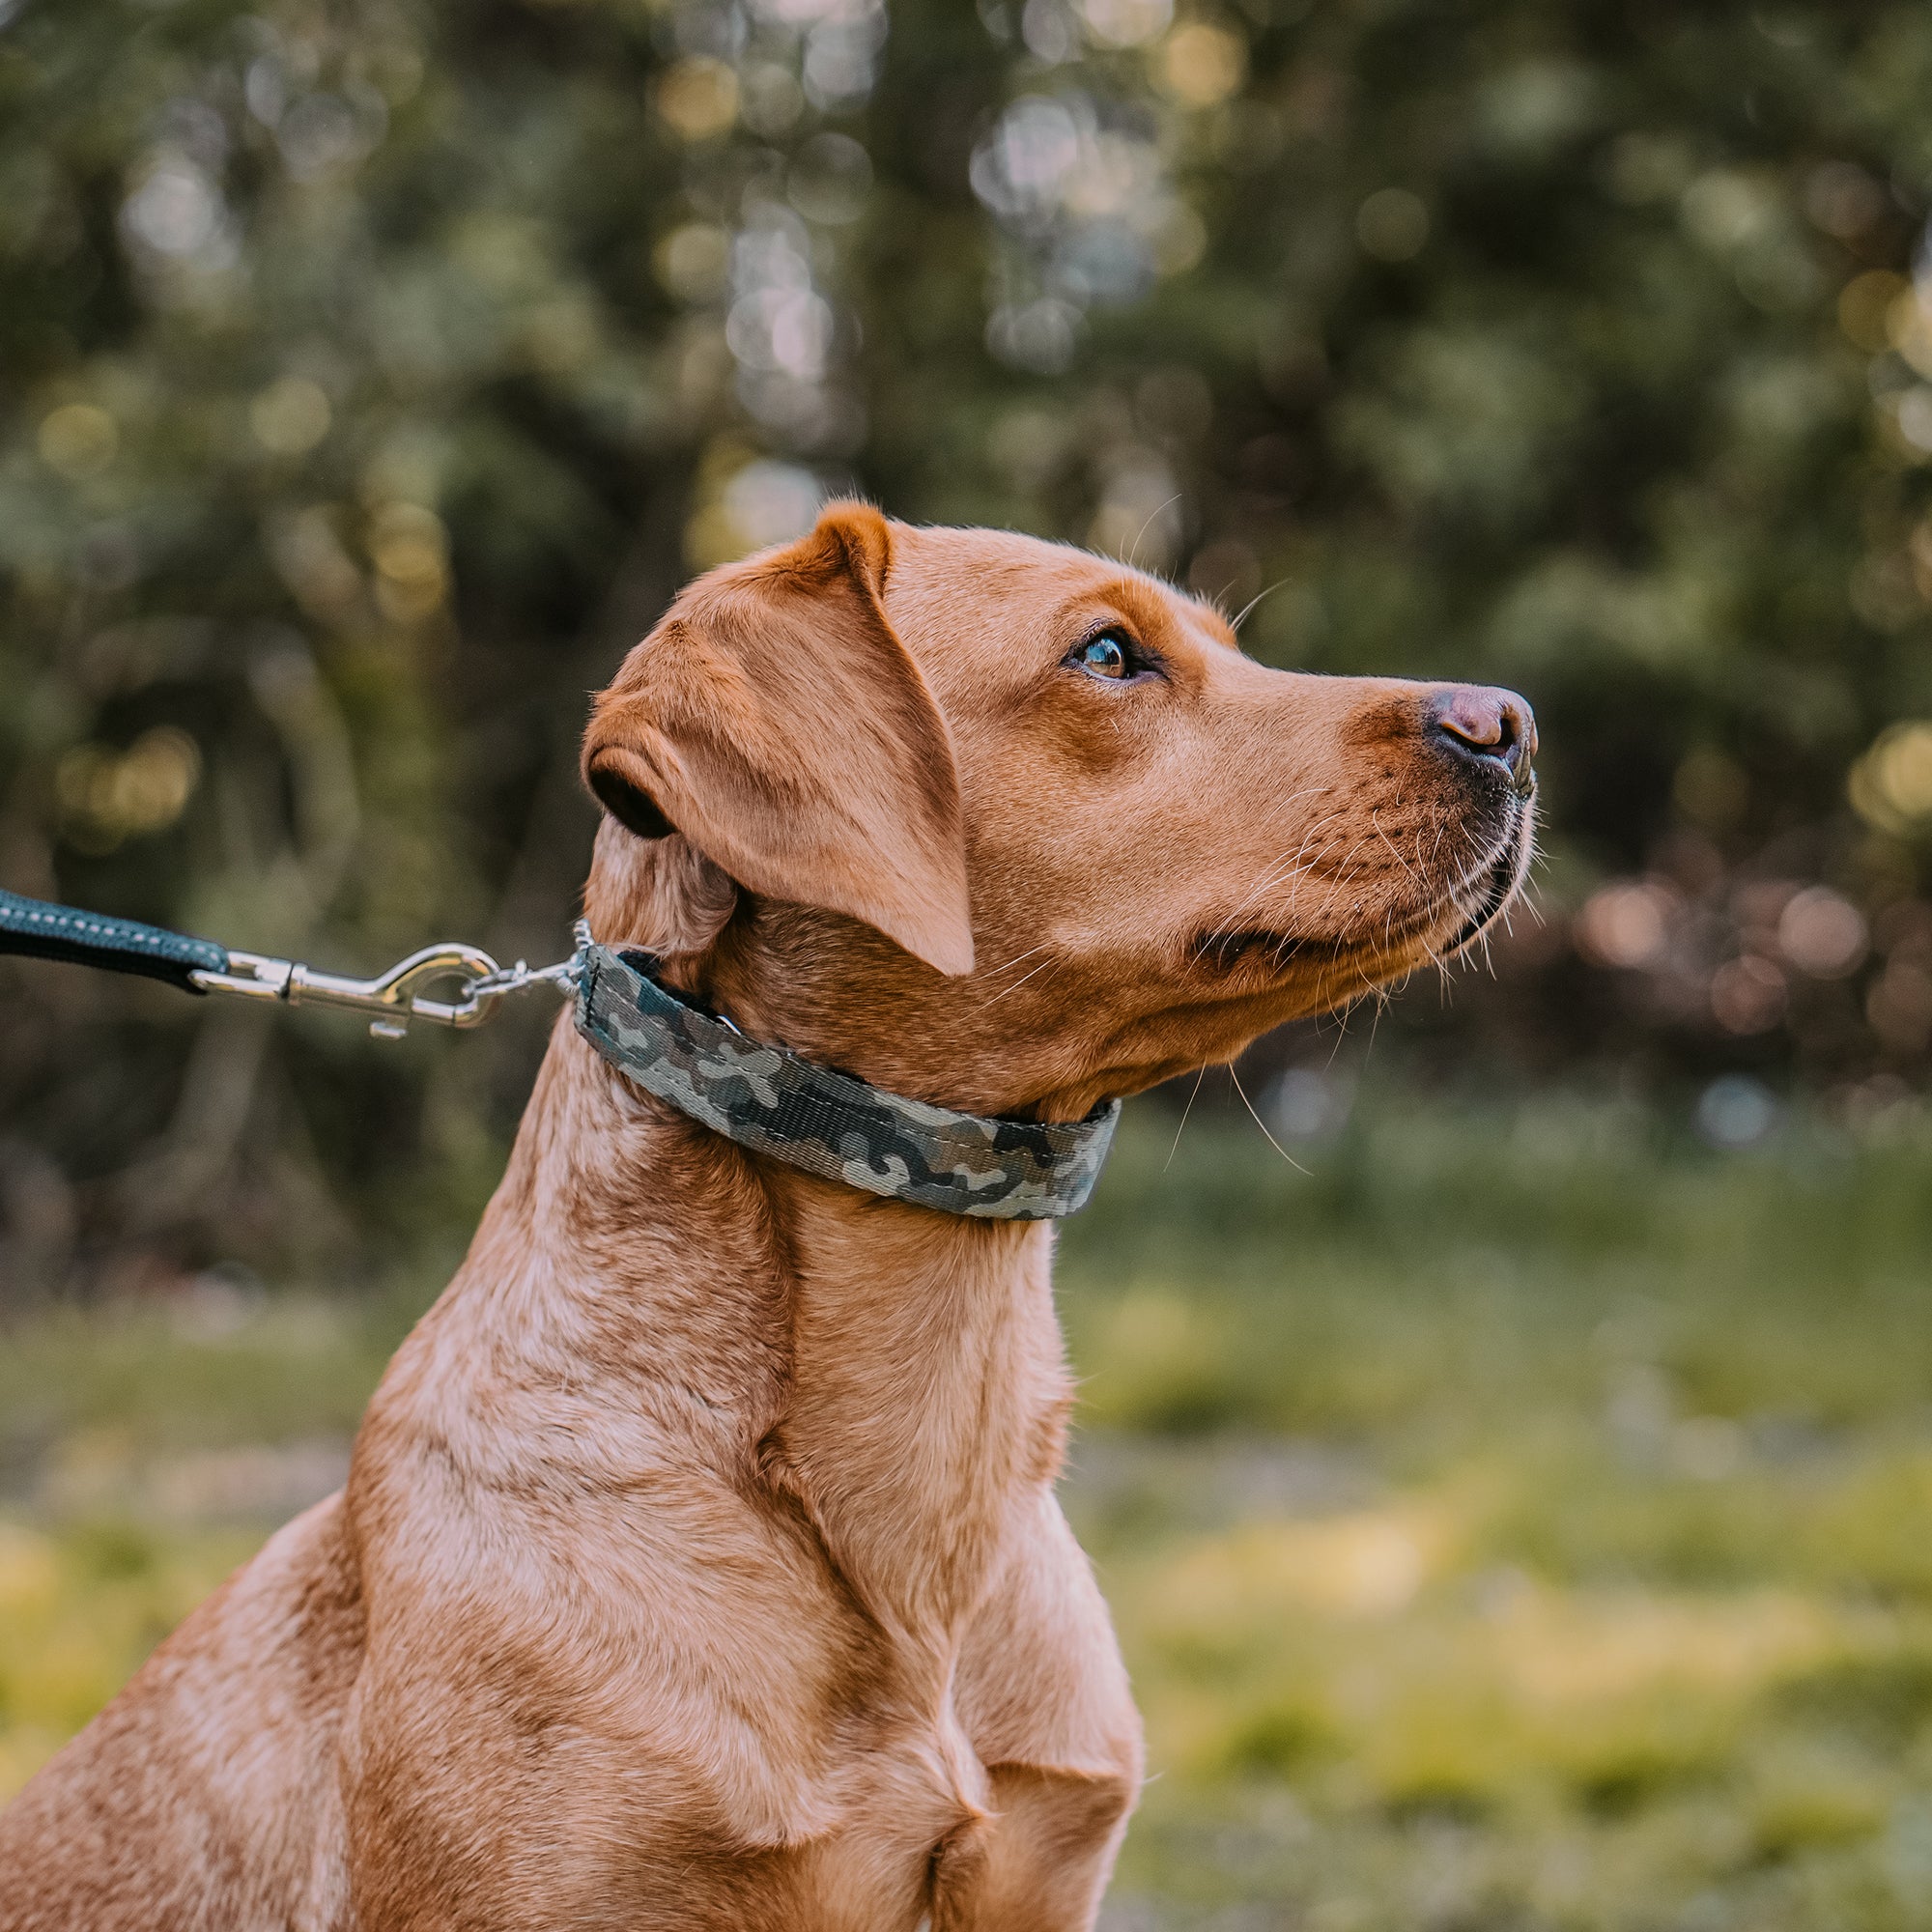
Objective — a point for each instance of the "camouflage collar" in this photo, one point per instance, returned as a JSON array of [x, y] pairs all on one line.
[[829, 1123]]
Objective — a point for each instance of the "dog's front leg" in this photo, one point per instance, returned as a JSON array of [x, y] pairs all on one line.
[[1043, 1695], [1040, 1861]]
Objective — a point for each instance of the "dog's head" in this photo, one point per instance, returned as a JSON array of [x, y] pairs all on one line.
[[1007, 826]]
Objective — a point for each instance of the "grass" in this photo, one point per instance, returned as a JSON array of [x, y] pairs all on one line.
[[1517, 1520]]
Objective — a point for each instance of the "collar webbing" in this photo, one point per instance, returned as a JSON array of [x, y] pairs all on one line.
[[767, 1098]]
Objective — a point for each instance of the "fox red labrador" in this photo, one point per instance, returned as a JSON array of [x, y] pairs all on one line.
[[699, 1563]]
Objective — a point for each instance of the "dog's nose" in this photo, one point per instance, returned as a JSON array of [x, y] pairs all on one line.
[[1479, 720]]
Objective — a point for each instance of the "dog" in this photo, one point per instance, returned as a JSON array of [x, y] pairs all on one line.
[[699, 1563]]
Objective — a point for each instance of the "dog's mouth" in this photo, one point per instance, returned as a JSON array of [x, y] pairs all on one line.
[[1496, 884], [1478, 899]]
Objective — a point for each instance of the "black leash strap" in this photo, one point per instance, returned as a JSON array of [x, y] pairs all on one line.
[[45, 931], [390, 1001]]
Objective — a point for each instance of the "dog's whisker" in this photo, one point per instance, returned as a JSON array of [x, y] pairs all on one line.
[[1249, 608], [1184, 1112], [1261, 1123], [1009, 965], [1376, 820], [1146, 525], [1019, 983]]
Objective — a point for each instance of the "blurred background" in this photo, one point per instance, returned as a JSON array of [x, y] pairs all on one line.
[[1516, 1501]]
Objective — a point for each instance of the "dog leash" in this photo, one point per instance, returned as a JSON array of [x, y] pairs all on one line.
[[392, 999], [764, 1097]]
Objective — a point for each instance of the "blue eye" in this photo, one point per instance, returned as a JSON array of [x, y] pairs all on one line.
[[1104, 656]]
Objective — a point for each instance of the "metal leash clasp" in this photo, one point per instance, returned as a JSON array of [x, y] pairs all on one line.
[[395, 997]]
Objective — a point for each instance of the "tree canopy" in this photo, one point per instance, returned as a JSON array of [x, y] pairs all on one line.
[[371, 372]]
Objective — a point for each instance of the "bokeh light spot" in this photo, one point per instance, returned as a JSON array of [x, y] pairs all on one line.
[[1908, 327], [1891, 787], [830, 179], [1736, 1111], [1038, 335], [409, 548], [691, 260], [772, 503], [1178, 237], [1139, 519], [1822, 933], [1126, 23], [697, 99], [771, 99], [1202, 66], [289, 416], [79, 440], [106, 796], [762, 504], [1626, 925], [1863, 303], [175, 211], [1842, 199]]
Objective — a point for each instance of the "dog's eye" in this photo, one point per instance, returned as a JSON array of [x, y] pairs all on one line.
[[1110, 655]]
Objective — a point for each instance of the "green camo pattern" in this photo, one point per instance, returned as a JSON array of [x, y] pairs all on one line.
[[829, 1123]]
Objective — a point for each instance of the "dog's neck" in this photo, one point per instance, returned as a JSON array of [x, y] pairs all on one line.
[[927, 1389], [892, 1372]]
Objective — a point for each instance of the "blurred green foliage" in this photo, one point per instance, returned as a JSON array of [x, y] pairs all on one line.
[[372, 372]]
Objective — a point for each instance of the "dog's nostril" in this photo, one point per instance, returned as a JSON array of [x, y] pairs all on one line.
[[1481, 721]]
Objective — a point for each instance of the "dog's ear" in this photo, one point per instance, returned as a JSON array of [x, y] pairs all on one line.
[[776, 723]]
